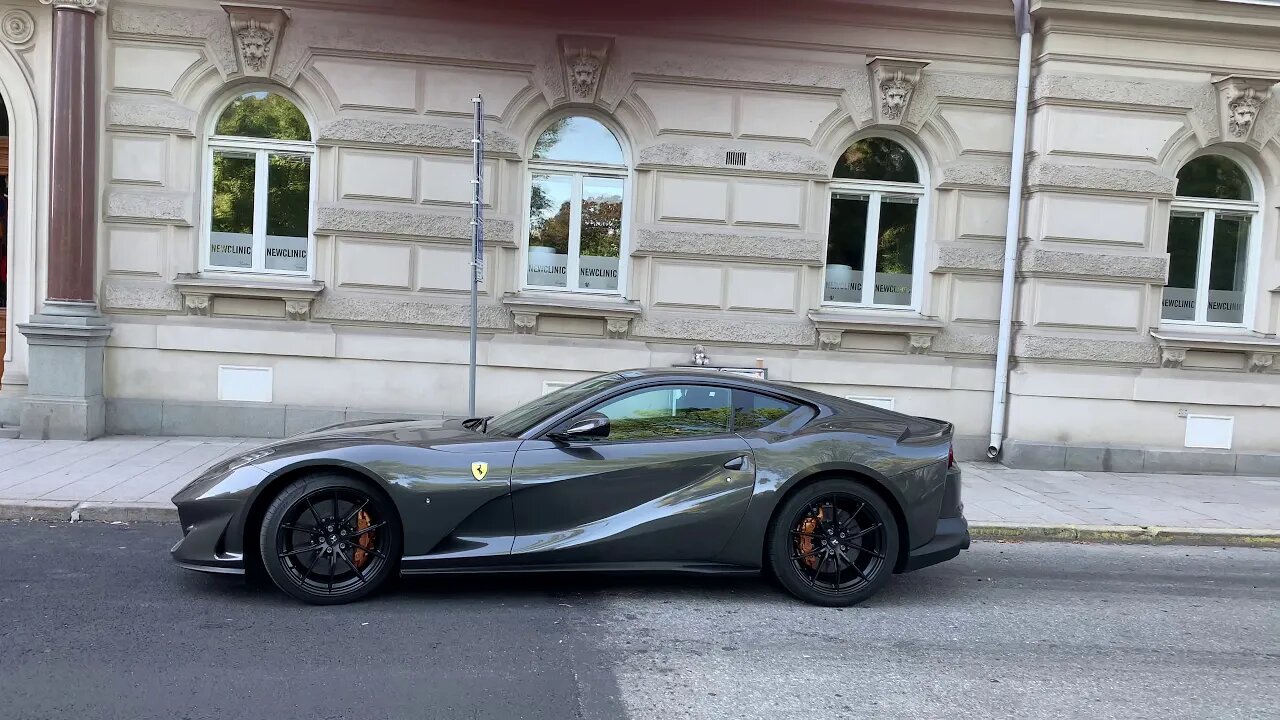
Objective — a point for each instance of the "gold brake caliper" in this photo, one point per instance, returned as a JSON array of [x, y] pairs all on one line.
[[804, 541], [365, 541]]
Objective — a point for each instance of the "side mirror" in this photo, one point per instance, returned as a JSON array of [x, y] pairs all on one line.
[[591, 427]]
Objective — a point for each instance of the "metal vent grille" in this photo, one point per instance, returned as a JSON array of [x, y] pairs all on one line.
[[735, 158]]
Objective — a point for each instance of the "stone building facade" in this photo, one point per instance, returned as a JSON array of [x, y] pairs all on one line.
[[249, 219]]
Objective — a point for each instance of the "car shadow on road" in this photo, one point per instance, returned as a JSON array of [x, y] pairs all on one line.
[[922, 587]]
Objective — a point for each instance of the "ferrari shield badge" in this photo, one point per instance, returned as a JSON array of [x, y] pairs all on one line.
[[479, 470]]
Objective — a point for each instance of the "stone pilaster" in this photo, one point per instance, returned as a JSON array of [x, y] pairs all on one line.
[[67, 339]]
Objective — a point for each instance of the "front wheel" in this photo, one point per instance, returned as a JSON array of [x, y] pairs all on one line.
[[833, 543], [330, 539]]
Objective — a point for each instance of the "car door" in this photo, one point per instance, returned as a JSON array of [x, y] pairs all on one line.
[[669, 483]]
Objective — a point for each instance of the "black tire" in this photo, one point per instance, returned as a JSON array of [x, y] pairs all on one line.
[[833, 543], [330, 539]]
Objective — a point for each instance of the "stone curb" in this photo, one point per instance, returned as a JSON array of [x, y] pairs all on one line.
[[134, 512], [71, 511], [1126, 534]]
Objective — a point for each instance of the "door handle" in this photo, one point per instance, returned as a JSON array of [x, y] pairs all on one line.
[[737, 463]]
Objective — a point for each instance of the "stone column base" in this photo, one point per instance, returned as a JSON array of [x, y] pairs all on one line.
[[67, 348]]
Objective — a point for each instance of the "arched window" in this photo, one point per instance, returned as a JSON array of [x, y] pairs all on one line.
[[1211, 227], [875, 226], [260, 181], [577, 189]]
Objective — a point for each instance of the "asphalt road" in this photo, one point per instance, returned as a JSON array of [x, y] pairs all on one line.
[[96, 622]]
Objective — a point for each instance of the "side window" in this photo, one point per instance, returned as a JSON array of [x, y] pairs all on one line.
[[752, 411], [672, 411]]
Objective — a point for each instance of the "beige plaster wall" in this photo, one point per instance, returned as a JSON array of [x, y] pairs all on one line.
[[729, 257]]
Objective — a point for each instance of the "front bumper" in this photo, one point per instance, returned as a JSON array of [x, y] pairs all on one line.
[[211, 512], [202, 548]]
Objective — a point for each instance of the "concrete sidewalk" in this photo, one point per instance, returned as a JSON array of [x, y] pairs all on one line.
[[132, 479]]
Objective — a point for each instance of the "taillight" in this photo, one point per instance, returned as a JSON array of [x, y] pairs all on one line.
[[951, 456]]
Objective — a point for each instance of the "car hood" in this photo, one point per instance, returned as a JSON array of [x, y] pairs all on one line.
[[414, 432]]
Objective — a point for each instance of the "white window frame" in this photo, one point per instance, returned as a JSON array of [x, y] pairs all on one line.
[[1208, 209], [875, 191], [261, 150], [578, 172]]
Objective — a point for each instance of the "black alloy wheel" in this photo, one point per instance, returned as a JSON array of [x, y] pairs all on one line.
[[330, 539], [833, 543]]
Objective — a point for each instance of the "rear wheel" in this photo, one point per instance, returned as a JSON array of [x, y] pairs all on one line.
[[833, 543], [330, 539]]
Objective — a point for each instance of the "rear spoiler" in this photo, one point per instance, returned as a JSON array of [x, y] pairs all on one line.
[[926, 431]]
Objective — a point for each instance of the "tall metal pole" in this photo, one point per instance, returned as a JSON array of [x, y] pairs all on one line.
[[477, 245]]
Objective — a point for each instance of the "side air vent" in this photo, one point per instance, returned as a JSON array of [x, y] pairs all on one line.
[[735, 158]]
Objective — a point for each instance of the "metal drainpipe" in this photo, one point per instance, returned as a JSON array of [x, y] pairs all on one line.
[[1022, 19]]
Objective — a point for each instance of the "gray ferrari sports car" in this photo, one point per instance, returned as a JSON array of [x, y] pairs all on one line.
[[665, 470]]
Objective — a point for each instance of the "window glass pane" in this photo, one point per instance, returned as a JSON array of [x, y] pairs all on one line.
[[1184, 260], [895, 251], [877, 159], [526, 416], [752, 411], [549, 209], [578, 139], [601, 238], [231, 232], [288, 212], [1227, 268], [1214, 176], [263, 115], [846, 247], [668, 412]]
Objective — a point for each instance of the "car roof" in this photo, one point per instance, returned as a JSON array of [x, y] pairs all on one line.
[[678, 373]]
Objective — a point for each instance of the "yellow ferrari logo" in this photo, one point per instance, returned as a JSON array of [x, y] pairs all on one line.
[[479, 470]]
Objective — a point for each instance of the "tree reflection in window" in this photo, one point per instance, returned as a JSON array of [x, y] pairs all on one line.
[[260, 163], [577, 188], [1212, 224], [874, 228], [668, 412]]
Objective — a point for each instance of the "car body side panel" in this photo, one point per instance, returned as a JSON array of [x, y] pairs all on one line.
[[908, 474], [670, 501], [445, 508]]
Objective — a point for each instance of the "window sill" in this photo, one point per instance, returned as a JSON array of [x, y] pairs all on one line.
[[617, 312], [832, 324], [1260, 350], [199, 290]]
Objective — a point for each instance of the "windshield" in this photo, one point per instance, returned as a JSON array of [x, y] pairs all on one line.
[[526, 416]]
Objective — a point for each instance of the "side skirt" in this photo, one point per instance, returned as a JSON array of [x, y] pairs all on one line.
[[635, 567]]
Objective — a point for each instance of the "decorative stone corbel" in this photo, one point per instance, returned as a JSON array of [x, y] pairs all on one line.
[[1172, 357], [585, 59], [256, 33], [299, 309], [830, 339], [618, 328], [525, 323], [1261, 361], [1240, 99], [919, 343], [196, 303], [893, 82]]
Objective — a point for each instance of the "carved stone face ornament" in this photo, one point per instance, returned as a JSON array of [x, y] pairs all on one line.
[[1243, 106], [584, 71], [896, 92], [255, 44]]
